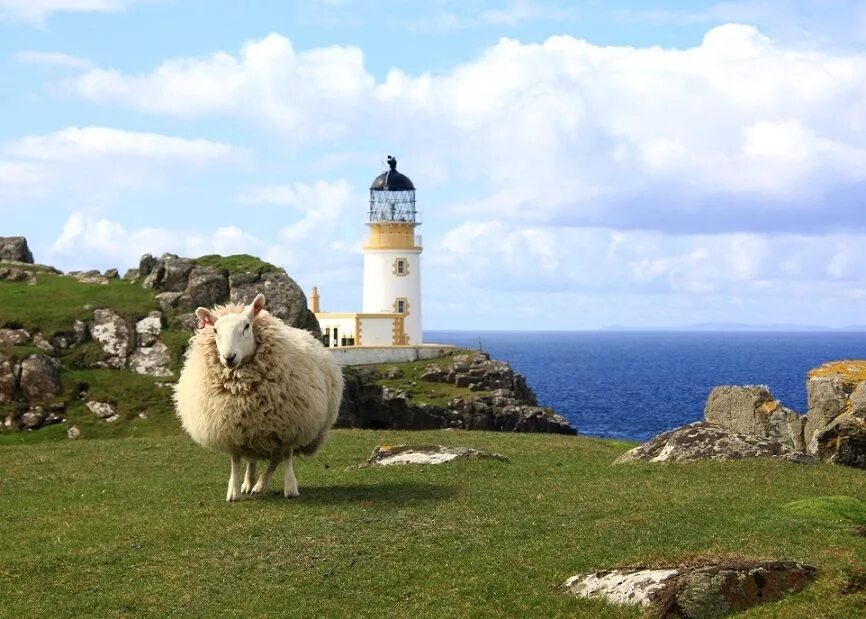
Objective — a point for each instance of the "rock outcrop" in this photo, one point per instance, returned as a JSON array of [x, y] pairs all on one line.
[[511, 406], [835, 429], [753, 410], [14, 249], [697, 591], [705, 441], [181, 285], [391, 455]]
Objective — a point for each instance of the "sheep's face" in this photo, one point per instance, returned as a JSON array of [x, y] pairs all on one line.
[[233, 332]]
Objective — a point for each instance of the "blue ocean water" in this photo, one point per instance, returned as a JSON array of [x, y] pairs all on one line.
[[633, 385]]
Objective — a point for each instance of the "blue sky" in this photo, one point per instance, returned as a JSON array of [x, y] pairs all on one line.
[[578, 164]]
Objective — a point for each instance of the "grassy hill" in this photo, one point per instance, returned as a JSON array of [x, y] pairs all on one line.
[[139, 527]]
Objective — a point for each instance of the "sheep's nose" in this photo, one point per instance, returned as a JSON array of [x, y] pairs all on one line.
[[230, 359]]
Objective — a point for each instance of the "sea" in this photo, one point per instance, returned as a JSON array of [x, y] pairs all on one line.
[[634, 385]]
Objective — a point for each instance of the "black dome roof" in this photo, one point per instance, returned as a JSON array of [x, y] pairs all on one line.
[[392, 180]]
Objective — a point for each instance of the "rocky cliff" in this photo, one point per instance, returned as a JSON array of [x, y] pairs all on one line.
[[467, 391]]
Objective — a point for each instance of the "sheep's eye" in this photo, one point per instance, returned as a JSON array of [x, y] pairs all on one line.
[[246, 328], [215, 331]]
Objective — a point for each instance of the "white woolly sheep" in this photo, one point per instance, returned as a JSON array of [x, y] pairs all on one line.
[[257, 389]]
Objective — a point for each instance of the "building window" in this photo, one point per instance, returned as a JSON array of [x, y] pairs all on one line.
[[401, 267], [401, 305]]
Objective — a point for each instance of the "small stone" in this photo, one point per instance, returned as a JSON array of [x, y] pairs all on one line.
[[390, 455], [73, 432], [102, 410]]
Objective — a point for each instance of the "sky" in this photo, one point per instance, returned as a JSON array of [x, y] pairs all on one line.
[[578, 164]]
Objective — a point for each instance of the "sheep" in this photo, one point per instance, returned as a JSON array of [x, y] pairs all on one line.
[[257, 389]]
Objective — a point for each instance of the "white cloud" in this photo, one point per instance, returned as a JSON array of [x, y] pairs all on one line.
[[738, 133], [35, 11], [52, 59], [322, 204], [88, 143], [500, 257], [87, 241]]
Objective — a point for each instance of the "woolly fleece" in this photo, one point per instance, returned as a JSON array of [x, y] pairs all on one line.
[[285, 397]]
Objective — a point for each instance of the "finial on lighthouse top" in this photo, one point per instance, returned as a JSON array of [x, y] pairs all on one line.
[[392, 180]]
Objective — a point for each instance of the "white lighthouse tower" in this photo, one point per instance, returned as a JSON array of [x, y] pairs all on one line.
[[392, 253]]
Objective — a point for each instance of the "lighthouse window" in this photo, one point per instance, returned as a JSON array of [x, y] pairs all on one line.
[[401, 267], [401, 306]]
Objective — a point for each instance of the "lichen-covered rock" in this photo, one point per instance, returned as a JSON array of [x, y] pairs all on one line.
[[14, 337], [89, 277], [147, 329], [837, 413], [103, 411], [31, 420], [14, 248], [110, 330], [704, 441], [80, 331], [39, 378], [131, 275], [73, 432], [697, 591], [153, 360], [390, 455], [9, 375], [12, 274], [753, 410]]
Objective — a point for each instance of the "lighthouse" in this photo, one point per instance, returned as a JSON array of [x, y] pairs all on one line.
[[388, 327], [392, 252]]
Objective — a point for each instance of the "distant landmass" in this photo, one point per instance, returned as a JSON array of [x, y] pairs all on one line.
[[736, 326]]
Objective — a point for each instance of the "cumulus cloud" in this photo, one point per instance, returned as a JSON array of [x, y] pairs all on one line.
[[322, 205], [87, 143], [87, 241], [737, 133], [35, 11], [602, 260]]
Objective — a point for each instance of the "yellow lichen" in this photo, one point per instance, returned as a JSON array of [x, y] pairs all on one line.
[[848, 370]]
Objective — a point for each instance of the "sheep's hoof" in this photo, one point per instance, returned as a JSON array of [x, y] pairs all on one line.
[[247, 488], [259, 488], [233, 496], [291, 493]]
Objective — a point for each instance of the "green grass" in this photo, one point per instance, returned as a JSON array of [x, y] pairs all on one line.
[[842, 510], [422, 392], [55, 301], [239, 263], [139, 527]]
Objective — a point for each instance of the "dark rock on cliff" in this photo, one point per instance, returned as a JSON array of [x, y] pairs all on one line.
[[367, 404], [14, 248]]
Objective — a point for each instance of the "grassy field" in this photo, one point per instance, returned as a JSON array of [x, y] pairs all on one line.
[[139, 527]]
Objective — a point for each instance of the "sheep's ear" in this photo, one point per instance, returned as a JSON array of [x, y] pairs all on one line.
[[257, 305], [205, 317]]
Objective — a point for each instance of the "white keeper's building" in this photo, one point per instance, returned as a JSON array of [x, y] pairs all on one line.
[[391, 308]]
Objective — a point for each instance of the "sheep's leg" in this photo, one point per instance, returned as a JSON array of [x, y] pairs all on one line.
[[290, 485], [250, 477], [264, 482], [234, 491]]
